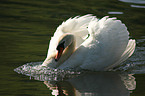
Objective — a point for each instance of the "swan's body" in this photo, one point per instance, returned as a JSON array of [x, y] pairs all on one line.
[[89, 43]]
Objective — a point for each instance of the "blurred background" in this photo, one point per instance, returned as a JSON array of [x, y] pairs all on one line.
[[26, 27]]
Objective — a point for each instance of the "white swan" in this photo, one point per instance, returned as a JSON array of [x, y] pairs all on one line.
[[88, 43]]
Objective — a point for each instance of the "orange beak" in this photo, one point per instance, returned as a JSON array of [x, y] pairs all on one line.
[[59, 53]]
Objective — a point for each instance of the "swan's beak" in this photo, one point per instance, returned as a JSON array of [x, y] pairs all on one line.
[[59, 53]]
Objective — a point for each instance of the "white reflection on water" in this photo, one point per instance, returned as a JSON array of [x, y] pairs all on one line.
[[137, 6], [134, 1], [115, 12], [94, 84]]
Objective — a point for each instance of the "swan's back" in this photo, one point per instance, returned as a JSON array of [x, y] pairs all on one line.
[[109, 41]]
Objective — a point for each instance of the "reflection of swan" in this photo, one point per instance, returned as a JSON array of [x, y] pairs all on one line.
[[94, 84], [88, 43]]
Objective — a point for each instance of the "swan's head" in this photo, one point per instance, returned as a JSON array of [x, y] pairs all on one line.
[[64, 49], [64, 42]]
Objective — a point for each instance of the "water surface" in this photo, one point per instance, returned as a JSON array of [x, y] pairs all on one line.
[[25, 30]]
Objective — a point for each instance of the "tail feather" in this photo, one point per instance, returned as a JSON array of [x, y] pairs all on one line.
[[127, 53], [109, 39]]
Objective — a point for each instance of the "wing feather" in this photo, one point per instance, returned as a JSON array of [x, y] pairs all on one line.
[[109, 38]]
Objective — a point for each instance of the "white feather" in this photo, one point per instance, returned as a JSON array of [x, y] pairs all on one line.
[[127, 53], [110, 38], [106, 47], [77, 26]]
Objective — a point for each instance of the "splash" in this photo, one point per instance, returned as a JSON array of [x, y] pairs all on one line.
[[42, 73]]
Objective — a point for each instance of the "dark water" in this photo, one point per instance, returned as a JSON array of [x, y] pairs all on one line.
[[25, 30]]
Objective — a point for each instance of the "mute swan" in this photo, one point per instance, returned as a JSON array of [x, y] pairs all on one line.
[[88, 43]]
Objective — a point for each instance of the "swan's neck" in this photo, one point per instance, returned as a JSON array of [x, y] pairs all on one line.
[[69, 48], [67, 52]]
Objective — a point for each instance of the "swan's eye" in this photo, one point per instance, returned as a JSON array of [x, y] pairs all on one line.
[[88, 36], [61, 45]]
